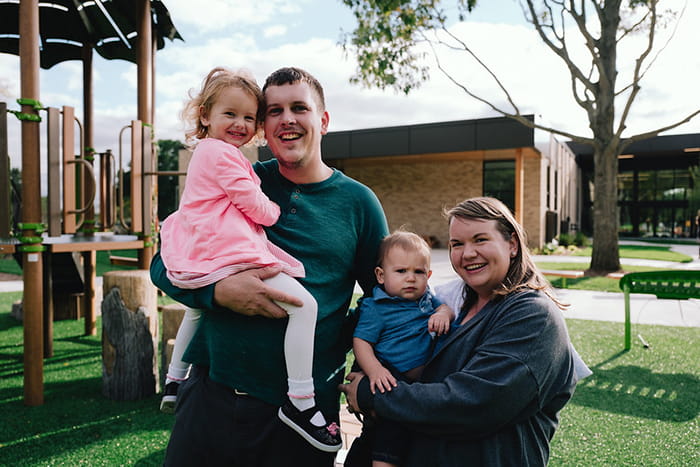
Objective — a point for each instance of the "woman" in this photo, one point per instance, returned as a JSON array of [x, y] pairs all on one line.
[[492, 391]]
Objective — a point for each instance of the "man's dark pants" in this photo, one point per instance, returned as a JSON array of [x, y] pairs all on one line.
[[215, 426]]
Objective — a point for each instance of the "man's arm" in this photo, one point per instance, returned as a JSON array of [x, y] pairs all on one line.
[[375, 228], [202, 298], [245, 292]]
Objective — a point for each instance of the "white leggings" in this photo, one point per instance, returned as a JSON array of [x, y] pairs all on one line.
[[298, 339]]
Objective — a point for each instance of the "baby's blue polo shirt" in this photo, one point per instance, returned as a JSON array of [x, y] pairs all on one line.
[[397, 327]]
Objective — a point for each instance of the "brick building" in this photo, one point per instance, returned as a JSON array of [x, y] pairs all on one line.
[[419, 170]]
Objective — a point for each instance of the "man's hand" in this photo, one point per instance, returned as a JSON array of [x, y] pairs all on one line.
[[247, 294]]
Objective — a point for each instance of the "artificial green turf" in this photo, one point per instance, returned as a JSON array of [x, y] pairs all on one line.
[[76, 425], [639, 408], [8, 264]]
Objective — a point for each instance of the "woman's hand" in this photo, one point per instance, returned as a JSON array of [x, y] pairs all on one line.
[[247, 294], [350, 390]]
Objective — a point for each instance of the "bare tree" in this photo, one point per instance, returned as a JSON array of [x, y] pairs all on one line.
[[388, 32]]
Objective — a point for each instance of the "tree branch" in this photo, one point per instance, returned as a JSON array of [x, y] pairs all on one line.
[[635, 87]]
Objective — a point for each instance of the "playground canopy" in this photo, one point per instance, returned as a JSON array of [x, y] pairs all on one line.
[[69, 29]]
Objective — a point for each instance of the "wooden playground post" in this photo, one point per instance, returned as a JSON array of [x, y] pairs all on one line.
[[5, 227], [144, 59], [31, 206], [136, 177], [69, 215]]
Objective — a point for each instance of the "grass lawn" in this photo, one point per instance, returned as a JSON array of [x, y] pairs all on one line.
[[639, 408], [660, 253], [601, 284]]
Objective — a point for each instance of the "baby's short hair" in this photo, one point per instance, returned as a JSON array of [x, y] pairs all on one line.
[[405, 240]]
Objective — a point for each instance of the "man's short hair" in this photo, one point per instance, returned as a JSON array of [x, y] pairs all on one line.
[[292, 75]]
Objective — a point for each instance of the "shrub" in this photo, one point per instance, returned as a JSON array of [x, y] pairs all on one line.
[[581, 240], [566, 239]]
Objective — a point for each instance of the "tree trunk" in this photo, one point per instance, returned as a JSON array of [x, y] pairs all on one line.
[[606, 255], [129, 336]]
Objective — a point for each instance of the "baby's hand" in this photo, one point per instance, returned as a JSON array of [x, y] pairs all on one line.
[[440, 321], [381, 379]]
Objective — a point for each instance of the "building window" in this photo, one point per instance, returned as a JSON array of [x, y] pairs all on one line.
[[499, 181], [658, 203]]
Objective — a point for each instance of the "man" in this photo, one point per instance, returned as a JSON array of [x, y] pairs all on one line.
[[227, 410]]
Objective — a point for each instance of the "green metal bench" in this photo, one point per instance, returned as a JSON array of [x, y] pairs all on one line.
[[672, 284]]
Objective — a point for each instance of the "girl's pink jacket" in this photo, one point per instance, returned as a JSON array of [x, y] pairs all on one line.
[[217, 229]]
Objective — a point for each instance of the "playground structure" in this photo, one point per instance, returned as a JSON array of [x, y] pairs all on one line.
[[58, 257], [72, 188], [66, 244]]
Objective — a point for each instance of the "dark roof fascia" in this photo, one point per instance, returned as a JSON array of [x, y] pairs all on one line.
[[666, 146], [658, 145], [441, 137]]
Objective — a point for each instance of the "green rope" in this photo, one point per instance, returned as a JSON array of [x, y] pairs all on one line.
[[25, 116], [30, 240], [36, 226], [31, 248], [35, 104]]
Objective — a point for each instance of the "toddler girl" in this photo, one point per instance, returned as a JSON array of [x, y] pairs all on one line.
[[217, 231]]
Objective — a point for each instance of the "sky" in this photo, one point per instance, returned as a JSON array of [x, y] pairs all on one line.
[[263, 35]]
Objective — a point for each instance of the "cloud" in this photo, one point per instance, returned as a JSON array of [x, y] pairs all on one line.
[[275, 31], [263, 35], [218, 15]]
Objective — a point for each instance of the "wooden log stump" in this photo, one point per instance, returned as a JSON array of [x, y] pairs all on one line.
[[129, 335]]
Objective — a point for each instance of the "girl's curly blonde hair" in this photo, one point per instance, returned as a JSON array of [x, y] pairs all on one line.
[[201, 102]]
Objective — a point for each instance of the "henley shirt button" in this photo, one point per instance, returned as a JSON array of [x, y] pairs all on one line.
[[293, 210], [297, 190], [296, 196]]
